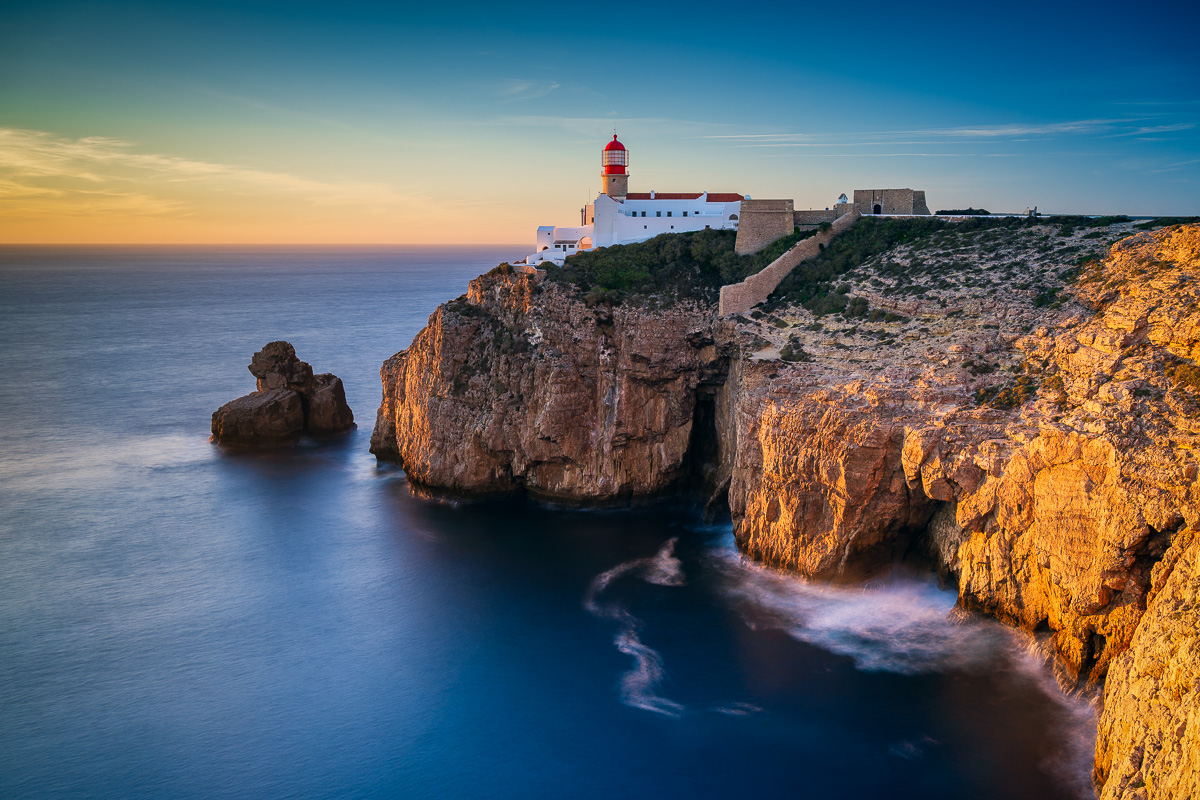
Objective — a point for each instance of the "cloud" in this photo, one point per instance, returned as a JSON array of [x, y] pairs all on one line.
[[517, 89], [98, 174], [959, 134], [594, 126], [1178, 126], [1177, 165]]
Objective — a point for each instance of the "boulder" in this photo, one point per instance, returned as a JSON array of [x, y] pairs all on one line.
[[327, 408], [270, 417], [289, 400]]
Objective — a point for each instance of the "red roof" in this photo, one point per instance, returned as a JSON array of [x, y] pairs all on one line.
[[614, 144], [713, 197]]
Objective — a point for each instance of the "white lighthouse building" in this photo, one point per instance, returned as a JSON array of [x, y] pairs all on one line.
[[618, 216]]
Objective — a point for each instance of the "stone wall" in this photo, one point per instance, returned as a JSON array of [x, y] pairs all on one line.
[[890, 201], [810, 219], [739, 298], [762, 222]]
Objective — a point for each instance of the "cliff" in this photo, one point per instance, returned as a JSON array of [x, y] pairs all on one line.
[[521, 385], [1000, 399]]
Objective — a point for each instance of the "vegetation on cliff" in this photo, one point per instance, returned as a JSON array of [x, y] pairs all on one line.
[[929, 262], [685, 265]]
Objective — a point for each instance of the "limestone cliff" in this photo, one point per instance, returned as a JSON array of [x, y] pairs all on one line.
[[1024, 415], [521, 385]]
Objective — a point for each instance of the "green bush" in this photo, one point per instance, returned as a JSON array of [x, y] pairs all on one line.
[[694, 264], [1008, 397], [809, 283], [1162, 222], [1186, 376]]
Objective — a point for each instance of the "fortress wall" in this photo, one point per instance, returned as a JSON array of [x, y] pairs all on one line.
[[919, 206], [807, 220], [761, 222], [893, 201], [739, 298]]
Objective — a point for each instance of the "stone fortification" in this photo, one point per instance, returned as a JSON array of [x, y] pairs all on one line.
[[739, 298], [812, 218], [890, 201], [761, 222]]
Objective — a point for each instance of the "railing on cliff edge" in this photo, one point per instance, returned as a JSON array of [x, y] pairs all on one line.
[[739, 298]]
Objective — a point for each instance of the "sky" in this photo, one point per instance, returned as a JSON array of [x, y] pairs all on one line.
[[271, 122]]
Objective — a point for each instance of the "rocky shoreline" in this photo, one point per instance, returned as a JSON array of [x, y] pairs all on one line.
[[1041, 451]]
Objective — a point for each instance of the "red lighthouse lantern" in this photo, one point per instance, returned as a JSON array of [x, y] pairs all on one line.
[[615, 158], [613, 178]]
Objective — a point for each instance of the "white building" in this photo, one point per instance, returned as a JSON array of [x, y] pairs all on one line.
[[619, 216]]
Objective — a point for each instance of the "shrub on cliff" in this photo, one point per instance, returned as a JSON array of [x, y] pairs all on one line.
[[808, 283], [1163, 222], [695, 264]]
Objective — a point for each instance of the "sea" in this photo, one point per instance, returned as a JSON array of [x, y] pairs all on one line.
[[178, 620]]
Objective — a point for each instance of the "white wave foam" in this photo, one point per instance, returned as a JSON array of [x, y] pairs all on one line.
[[909, 626], [1073, 764], [737, 709], [903, 626], [639, 685]]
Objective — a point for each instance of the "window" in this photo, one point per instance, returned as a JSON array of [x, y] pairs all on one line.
[[668, 213], [658, 213], [644, 227], [643, 213], [685, 213]]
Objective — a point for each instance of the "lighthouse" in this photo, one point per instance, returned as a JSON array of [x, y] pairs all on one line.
[[613, 161], [619, 216]]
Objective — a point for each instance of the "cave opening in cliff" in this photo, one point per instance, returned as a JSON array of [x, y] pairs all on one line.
[[702, 468]]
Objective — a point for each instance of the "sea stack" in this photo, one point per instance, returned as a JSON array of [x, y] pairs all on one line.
[[289, 400]]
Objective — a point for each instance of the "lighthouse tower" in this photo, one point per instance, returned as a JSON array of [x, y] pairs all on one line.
[[614, 179]]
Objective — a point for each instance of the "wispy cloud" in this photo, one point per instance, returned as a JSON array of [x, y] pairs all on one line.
[[1177, 165], [100, 174], [1179, 126], [959, 134], [597, 125], [518, 89]]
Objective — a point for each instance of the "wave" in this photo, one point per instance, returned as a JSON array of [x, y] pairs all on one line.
[[906, 625], [897, 625], [639, 686]]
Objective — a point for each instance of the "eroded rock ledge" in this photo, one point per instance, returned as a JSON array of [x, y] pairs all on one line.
[[1071, 507]]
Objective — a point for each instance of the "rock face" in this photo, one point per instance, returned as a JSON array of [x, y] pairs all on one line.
[[289, 400], [1149, 739], [520, 385], [1039, 445]]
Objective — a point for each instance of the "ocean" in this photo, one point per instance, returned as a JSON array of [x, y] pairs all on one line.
[[182, 621]]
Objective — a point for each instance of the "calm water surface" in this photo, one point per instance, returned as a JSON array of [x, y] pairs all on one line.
[[179, 621]]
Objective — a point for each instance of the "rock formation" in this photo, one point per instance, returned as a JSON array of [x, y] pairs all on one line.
[[1038, 443], [289, 400], [521, 385]]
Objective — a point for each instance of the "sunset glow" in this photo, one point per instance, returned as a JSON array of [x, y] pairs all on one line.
[[290, 123]]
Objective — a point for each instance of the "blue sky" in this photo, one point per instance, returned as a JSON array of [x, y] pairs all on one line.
[[468, 122]]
